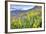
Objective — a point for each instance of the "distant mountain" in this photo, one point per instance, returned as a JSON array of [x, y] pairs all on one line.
[[17, 12], [36, 7]]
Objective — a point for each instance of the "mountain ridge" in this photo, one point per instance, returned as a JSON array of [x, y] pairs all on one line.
[[15, 12]]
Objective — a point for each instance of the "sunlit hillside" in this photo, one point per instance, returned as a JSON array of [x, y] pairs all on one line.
[[31, 18]]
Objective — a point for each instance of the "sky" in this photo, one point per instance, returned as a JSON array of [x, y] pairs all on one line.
[[21, 7]]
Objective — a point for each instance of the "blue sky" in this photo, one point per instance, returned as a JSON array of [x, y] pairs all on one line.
[[21, 7]]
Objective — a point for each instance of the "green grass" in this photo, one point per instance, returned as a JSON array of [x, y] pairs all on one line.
[[32, 20]]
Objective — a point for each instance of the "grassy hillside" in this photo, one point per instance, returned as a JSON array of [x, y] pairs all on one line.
[[30, 19]]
